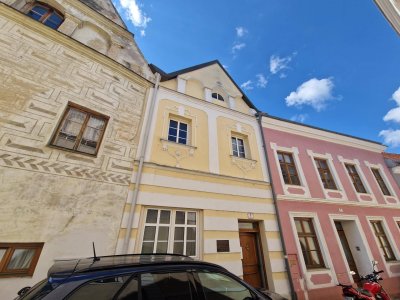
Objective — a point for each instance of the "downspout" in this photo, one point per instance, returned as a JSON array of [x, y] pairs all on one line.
[[133, 198], [274, 198]]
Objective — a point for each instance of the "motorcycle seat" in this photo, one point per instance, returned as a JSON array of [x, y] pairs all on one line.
[[365, 292]]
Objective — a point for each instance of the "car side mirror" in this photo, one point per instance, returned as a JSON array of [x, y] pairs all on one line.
[[23, 291]]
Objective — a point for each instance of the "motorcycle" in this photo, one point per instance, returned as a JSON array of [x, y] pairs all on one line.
[[371, 289]]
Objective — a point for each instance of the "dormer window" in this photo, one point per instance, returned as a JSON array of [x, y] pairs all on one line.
[[46, 14], [217, 96]]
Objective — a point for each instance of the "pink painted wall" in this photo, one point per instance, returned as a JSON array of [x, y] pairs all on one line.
[[323, 209], [303, 144]]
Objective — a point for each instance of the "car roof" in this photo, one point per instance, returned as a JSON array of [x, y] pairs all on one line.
[[101, 263]]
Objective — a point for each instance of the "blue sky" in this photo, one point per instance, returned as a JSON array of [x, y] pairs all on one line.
[[331, 64]]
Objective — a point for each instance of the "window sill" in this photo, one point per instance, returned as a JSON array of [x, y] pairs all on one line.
[[73, 151], [243, 158], [166, 142]]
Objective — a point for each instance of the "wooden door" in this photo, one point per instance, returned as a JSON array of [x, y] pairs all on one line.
[[347, 251], [251, 262]]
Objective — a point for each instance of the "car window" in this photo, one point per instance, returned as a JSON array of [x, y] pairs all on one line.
[[38, 291], [218, 286], [165, 286], [130, 291], [100, 289]]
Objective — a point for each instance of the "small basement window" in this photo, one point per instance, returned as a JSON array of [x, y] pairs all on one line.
[[45, 14], [19, 259]]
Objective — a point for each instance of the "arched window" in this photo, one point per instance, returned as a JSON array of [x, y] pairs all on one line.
[[217, 96], [46, 15]]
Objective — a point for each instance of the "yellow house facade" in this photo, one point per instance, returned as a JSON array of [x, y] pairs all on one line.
[[202, 188]]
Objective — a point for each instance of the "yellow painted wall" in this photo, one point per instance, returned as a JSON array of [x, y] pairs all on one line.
[[178, 155], [195, 88], [235, 166]]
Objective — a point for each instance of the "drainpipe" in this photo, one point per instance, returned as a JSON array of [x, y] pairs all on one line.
[[274, 198], [132, 197]]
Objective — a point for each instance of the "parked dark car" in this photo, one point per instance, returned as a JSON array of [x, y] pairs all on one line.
[[141, 277]]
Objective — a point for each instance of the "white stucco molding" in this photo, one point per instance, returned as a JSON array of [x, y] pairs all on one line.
[[364, 181], [303, 182], [329, 159], [385, 179]]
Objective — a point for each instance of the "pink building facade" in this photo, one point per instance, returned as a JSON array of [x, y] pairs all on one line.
[[338, 204]]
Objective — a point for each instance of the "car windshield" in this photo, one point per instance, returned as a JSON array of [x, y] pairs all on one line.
[[38, 291]]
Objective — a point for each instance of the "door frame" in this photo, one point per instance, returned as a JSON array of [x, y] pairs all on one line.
[[256, 231]]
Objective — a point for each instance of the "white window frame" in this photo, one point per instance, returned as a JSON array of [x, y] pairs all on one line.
[[364, 181], [385, 179], [178, 130], [390, 239], [245, 150], [303, 183], [171, 226], [329, 159], [308, 273]]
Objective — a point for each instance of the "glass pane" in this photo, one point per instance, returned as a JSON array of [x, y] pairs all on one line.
[[214, 95], [280, 157], [162, 247], [151, 216], [34, 15], [311, 243], [173, 124], [307, 226], [180, 217], [191, 218], [182, 141], [314, 258], [178, 247], [55, 18], [303, 244], [172, 133], [165, 217], [2, 252], [183, 127], [220, 286], [147, 247], [287, 158], [163, 286], [191, 248], [101, 289], [245, 225], [191, 233], [163, 233], [51, 24], [182, 134], [21, 259], [149, 233], [130, 292], [179, 233], [298, 225]]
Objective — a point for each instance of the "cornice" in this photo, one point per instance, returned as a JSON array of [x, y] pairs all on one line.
[[391, 12], [209, 105], [67, 41], [320, 134], [202, 173], [334, 202]]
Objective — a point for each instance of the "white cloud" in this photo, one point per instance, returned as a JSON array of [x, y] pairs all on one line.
[[277, 63], [241, 31], [261, 81], [391, 137], [248, 85], [237, 47], [299, 118], [394, 113], [314, 92], [142, 32], [135, 14]]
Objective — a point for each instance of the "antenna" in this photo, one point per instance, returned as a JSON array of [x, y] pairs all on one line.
[[95, 258]]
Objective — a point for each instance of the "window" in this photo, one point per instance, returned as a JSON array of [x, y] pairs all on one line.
[[383, 241], [288, 168], [19, 259], [380, 181], [172, 285], [325, 174], [100, 289], [80, 130], [169, 231], [217, 96], [46, 15], [217, 286], [355, 178], [238, 147], [178, 132], [309, 243]]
